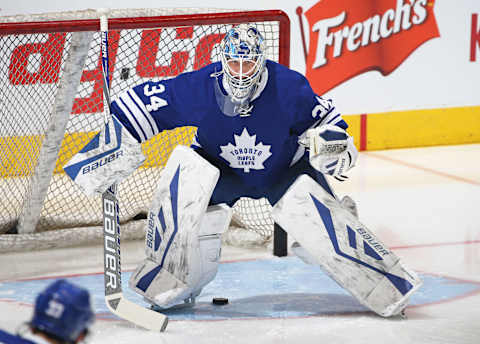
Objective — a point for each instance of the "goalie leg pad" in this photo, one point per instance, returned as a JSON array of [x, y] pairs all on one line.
[[214, 224], [175, 246], [165, 289], [345, 249]]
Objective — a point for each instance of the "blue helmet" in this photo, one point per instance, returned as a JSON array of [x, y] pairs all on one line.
[[243, 61], [63, 310]]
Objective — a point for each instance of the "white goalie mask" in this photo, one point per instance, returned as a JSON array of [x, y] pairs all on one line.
[[243, 61]]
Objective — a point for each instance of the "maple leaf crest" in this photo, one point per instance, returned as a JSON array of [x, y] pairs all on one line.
[[245, 153]]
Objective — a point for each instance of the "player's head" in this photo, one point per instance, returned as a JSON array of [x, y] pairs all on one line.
[[63, 312], [243, 61]]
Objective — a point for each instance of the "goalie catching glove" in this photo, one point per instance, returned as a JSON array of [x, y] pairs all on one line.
[[331, 150]]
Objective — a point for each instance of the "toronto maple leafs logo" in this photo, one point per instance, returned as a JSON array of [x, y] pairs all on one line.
[[245, 153]]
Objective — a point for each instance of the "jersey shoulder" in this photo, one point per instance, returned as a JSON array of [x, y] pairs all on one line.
[[195, 85], [292, 86], [284, 74], [195, 81]]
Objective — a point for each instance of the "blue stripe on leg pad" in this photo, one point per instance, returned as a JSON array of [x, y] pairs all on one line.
[[146, 280], [402, 285]]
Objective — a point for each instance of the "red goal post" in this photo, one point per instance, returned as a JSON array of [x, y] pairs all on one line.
[[52, 105]]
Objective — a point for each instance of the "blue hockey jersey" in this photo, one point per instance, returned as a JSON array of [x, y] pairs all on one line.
[[257, 148]]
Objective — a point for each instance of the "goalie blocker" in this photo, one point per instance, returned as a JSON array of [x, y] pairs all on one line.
[[344, 248], [111, 156]]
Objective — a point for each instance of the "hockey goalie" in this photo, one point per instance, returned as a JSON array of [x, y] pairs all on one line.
[[262, 132]]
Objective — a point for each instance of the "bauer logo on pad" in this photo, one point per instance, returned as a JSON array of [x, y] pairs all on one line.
[[401, 284], [102, 149], [147, 279], [112, 155], [154, 237]]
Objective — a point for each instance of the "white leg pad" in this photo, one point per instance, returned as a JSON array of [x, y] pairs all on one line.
[[182, 244], [345, 249], [214, 224], [166, 290]]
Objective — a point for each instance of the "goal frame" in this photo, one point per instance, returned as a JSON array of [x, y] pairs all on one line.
[[161, 21], [82, 25]]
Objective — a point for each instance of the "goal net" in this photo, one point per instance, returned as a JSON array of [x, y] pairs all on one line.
[[51, 105]]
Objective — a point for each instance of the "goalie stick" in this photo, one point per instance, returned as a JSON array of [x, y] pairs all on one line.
[[114, 298]]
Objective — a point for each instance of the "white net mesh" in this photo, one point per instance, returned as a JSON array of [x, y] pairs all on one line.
[[31, 66]]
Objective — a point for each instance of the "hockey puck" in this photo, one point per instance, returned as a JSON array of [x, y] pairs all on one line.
[[125, 73], [219, 301]]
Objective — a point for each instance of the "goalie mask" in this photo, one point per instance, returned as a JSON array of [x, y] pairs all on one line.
[[243, 62]]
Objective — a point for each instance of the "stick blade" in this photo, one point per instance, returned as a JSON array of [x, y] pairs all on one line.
[[143, 317]]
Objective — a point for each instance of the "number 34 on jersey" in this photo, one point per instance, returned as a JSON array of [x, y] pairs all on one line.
[[155, 101]]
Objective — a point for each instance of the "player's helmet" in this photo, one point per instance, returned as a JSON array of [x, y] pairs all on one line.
[[63, 310], [243, 61]]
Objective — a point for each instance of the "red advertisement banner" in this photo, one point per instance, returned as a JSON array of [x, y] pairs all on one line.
[[350, 37]]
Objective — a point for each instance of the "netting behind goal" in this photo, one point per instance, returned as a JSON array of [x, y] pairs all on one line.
[[41, 107]]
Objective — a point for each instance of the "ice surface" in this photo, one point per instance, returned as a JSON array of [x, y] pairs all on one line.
[[422, 202]]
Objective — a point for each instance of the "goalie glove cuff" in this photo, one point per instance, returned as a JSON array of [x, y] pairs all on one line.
[[331, 151]]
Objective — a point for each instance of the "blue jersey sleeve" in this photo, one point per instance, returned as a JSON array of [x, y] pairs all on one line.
[[151, 107]]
